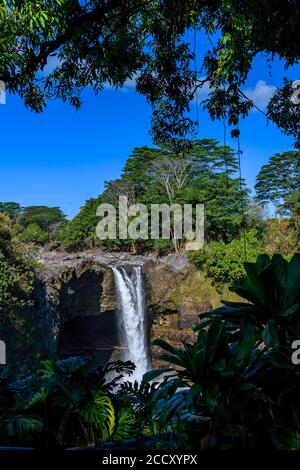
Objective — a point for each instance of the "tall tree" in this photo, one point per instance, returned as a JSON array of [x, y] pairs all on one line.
[[13, 209], [138, 164], [84, 41], [172, 174], [45, 217], [279, 182], [116, 189], [209, 157], [81, 229]]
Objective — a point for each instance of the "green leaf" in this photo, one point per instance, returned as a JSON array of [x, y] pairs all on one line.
[[164, 345], [153, 374], [293, 281], [214, 334], [25, 426], [280, 269], [280, 361], [63, 427], [198, 361], [286, 438], [270, 335], [256, 273], [291, 311], [37, 398], [244, 351], [100, 414], [262, 262], [126, 426], [219, 365], [172, 360]]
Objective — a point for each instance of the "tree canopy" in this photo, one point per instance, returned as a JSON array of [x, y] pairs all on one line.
[[278, 182], [285, 112], [205, 174], [77, 231], [47, 218], [13, 209], [53, 49]]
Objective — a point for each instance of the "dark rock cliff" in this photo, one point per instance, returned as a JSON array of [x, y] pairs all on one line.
[[77, 296]]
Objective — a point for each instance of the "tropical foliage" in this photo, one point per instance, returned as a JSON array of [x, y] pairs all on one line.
[[272, 291], [72, 402], [13, 209], [33, 233], [16, 289], [36, 224], [64, 403], [235, 387], [279, 182], [78, 44], [239, 372]]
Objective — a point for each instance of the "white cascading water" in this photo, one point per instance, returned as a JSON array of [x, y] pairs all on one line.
[[133, 329]]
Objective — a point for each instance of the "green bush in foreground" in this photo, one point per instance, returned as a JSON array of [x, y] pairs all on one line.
[[239, 372], [64, 403]]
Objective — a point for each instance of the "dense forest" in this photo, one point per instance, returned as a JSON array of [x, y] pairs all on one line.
[[235, 384]]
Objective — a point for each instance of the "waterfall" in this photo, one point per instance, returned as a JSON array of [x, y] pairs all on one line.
[[133, 329]]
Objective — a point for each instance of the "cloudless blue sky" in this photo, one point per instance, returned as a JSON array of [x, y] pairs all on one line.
[[62, 157]]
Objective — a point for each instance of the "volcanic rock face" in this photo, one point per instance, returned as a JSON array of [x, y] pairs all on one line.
[[78, 297], [80, 303], [176, 294]]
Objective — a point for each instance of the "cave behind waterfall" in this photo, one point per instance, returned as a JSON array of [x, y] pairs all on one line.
[[84, 327]]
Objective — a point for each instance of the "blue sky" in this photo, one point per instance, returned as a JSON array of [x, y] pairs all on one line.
[[62, 157]]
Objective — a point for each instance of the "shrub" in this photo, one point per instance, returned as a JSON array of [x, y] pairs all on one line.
[[224, 262], [162, 246], [34, 234], [281, 236]]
